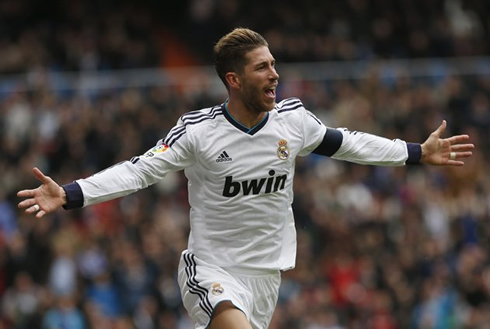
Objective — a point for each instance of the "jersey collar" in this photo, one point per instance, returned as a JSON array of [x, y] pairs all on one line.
[[250, 131]]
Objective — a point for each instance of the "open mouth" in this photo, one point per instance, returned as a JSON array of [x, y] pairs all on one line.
[[271, 92]]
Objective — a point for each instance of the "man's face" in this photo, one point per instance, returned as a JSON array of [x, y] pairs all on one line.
[[259, 80]]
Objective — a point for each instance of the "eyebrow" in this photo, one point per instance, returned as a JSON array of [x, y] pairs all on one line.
[[265, 62]]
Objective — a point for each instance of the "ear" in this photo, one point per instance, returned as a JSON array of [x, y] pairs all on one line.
[[233, 80]]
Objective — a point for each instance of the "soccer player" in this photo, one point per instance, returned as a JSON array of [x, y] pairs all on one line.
[[239, 160]]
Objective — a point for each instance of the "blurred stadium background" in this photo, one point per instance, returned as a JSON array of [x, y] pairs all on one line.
[[85, 84]]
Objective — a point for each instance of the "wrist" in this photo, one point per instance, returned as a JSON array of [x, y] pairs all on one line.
[[423, 153], [63, 195]]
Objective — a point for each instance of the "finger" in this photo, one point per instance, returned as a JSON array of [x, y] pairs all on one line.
[[39, 175], [27, 203], [439, 131], [455, 163], [25, 193], [462, 147], [463, 154], [458, 139], [40, 213], [32, 209]]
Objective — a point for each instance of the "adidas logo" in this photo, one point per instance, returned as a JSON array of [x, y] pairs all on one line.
[[224, 157]]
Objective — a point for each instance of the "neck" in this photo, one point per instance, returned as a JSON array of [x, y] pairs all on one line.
[[244, 116]]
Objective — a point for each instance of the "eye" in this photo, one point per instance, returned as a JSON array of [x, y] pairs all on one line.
[[265, 66]]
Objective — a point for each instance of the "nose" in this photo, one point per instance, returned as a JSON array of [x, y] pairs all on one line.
[[274, 75]]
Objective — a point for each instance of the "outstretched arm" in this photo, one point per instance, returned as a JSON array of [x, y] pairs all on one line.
[[48, 197], [445, 151], [364, 148]]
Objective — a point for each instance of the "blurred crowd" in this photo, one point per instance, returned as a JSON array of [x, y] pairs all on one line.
[[101, 35], [378, 248]]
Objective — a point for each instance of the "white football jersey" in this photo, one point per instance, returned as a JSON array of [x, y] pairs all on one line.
[[240, 180]]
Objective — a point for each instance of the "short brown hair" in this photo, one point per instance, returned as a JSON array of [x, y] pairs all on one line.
[[230, 51]]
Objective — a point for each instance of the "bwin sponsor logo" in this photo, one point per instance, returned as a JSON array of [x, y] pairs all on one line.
[[254, 186]]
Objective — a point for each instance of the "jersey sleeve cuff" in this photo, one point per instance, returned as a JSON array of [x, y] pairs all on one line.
[[74, 196], [414, 153]]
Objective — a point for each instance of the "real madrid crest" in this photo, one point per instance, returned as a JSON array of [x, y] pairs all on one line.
[[283, 149], [217, 289]]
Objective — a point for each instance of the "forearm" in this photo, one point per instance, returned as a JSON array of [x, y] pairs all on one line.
[[115, 182], [365, 148]]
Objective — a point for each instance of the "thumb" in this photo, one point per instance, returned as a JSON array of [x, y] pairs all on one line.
[[40, 176], [442, 128]]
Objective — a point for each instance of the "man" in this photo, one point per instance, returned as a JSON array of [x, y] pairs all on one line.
[[239, 160]]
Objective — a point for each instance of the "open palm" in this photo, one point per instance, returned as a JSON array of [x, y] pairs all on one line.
[[48, 197], [445, 151]]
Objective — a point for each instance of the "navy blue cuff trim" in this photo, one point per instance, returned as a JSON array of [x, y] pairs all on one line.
[[74, 196], [414, 153], [331, 143]]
